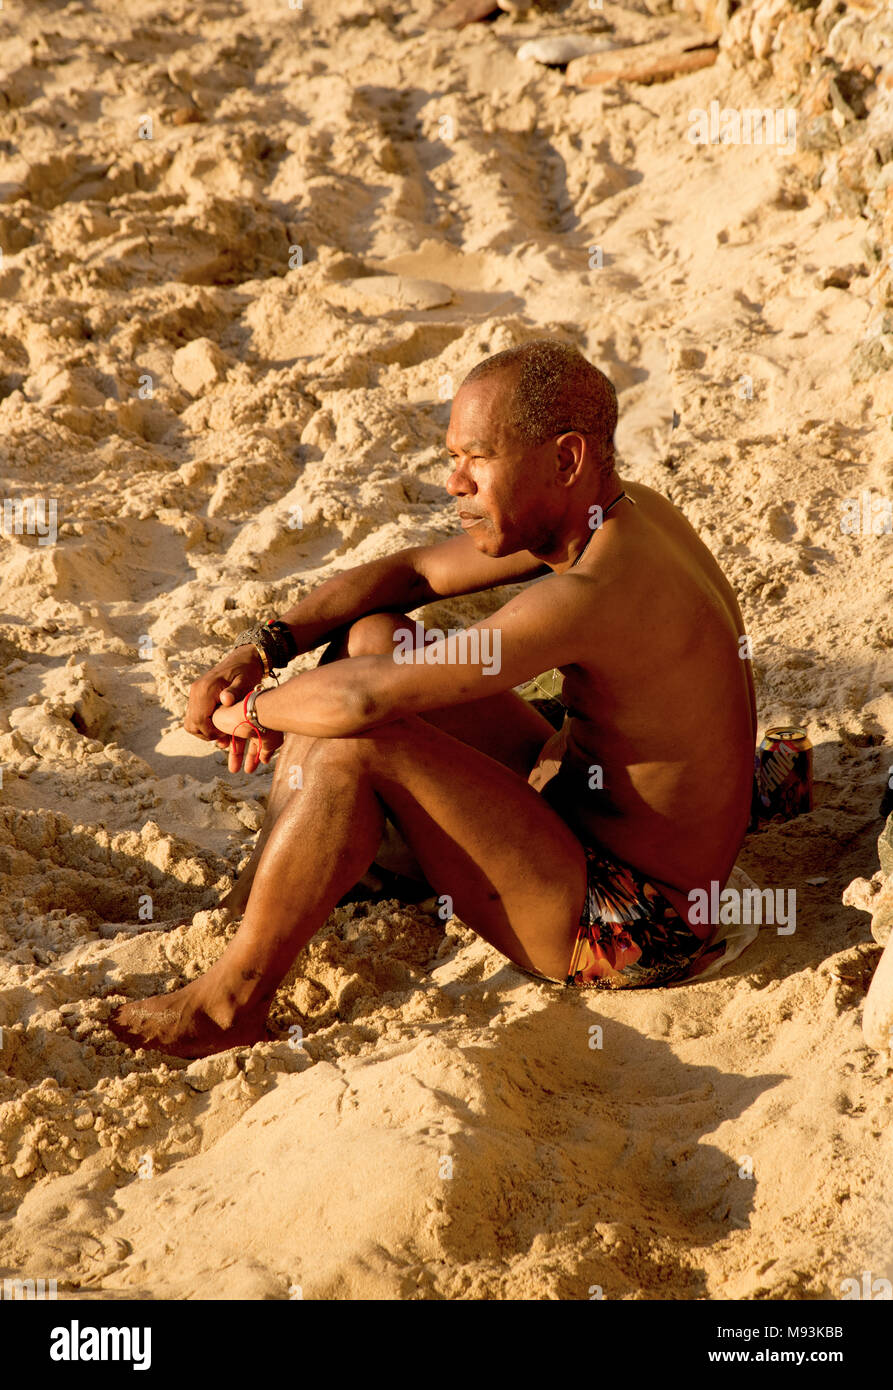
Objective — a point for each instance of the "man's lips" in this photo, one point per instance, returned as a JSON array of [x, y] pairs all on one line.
[[469, 518]]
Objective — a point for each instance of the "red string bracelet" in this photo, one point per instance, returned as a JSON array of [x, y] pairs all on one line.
[[247, 720]]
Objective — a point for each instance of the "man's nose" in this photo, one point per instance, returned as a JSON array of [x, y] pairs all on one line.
[[458, 483]]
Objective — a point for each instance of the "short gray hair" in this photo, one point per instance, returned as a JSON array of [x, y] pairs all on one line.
[[556, 390]]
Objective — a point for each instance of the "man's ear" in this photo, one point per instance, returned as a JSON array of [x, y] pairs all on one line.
[[571, 449]]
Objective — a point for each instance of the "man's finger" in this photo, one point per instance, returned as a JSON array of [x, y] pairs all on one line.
[[236, 689], [236, 751], [200, 707], [252, 756]]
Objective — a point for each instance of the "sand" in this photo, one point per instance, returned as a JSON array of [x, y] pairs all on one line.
[[223, 421]]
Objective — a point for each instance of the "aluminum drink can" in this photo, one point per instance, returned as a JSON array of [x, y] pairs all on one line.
[[785, 773]]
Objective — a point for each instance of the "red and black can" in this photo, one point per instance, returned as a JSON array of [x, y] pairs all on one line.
[[784, 773]]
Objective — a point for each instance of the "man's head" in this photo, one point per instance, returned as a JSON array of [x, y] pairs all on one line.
[[531, 437]]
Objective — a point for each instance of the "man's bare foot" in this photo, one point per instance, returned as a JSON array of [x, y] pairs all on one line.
[[187, 1023]]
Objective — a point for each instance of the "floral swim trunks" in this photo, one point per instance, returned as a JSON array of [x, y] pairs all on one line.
[[630, 936]]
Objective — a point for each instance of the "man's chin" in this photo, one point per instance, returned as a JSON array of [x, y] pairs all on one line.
[[497, 549], [487, 542]]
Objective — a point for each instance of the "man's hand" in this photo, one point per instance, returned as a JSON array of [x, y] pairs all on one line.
[[241, 739], [225, 684], [228, 681]]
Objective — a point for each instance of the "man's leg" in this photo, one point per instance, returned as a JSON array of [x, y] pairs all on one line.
[[471, 823], [504, 726]]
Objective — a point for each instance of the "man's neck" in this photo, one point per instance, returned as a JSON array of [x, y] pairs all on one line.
[[587, 520]]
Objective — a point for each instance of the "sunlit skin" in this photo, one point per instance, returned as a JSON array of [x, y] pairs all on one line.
[[492, 802], [511, 497]]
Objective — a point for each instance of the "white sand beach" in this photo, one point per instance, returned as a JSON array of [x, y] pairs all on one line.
[[228, 342]]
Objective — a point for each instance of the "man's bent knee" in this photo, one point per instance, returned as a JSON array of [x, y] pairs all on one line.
[[373, 635], [371, 745]]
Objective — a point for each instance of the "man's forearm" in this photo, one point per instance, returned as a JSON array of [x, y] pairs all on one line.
[[391, 583], [329, 701]]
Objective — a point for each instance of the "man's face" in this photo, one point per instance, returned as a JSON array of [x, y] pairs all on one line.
[[500, 484]]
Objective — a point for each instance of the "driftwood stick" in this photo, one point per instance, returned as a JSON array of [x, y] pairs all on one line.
[[657, 70]]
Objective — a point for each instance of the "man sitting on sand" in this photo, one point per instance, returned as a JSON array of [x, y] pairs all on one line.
[[572, 852]]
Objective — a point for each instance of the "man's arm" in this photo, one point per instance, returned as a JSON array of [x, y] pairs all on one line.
[[542, 627], [404, 581]]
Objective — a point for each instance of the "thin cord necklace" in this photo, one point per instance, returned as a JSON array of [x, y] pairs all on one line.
[[619, 498]]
